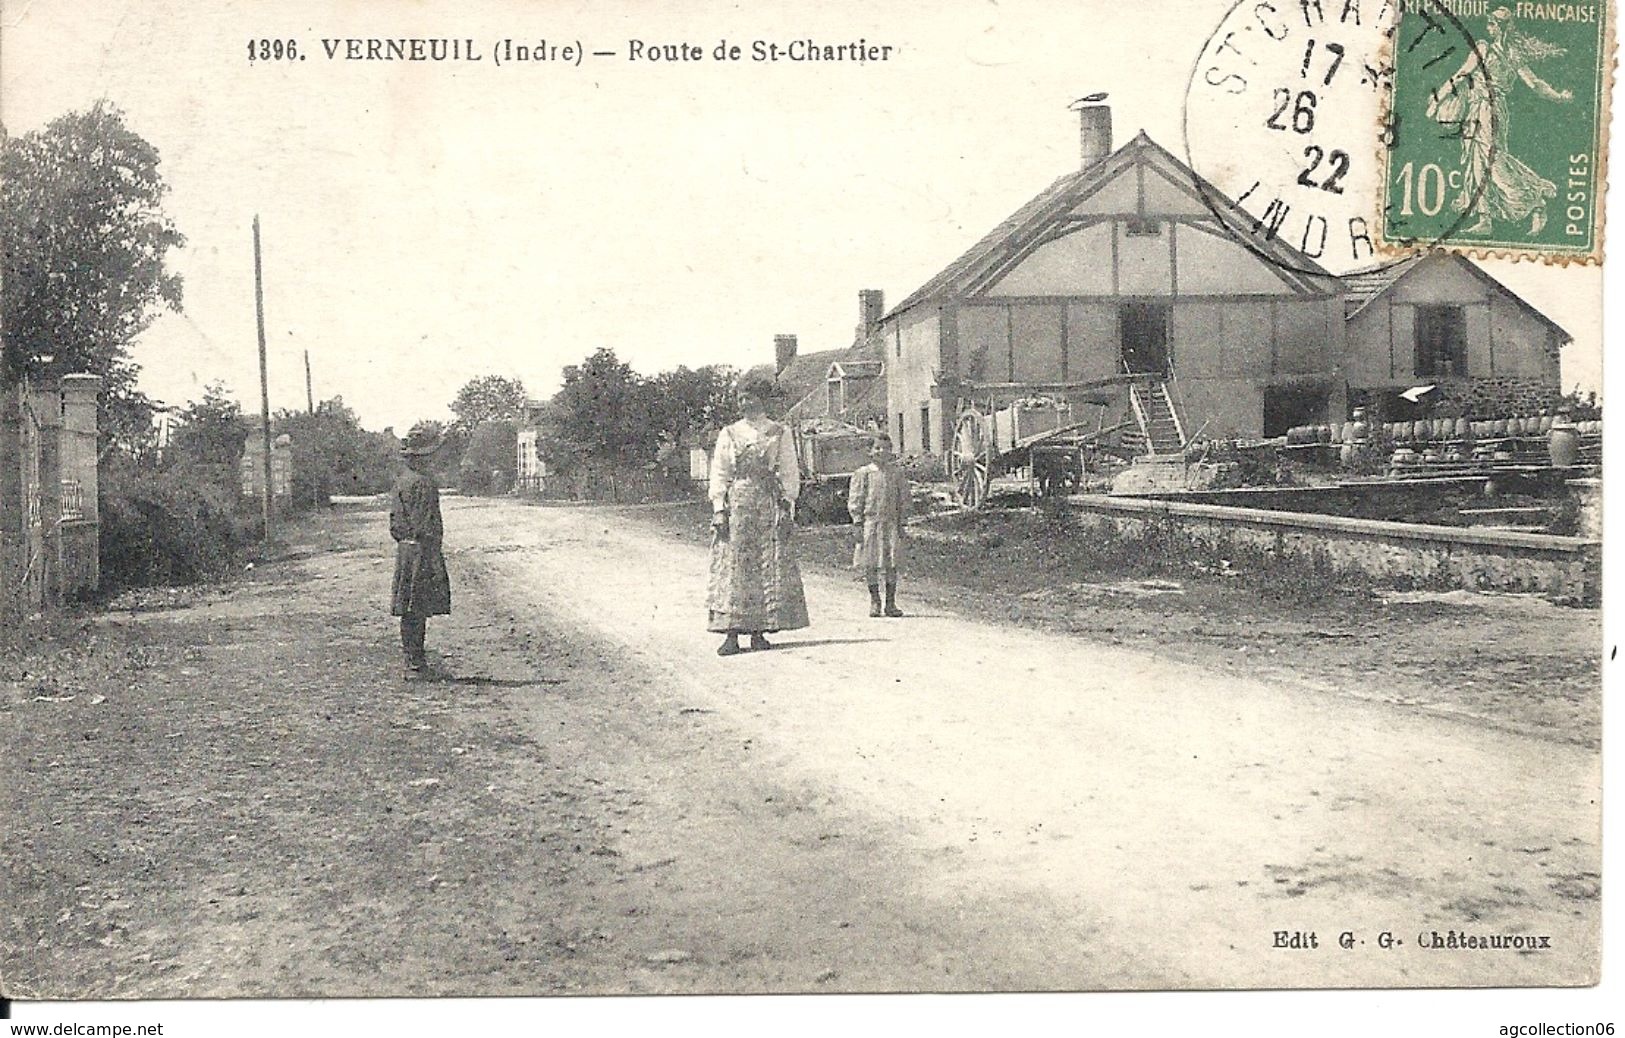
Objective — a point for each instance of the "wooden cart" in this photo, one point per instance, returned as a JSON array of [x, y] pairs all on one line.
[[828, 451], [1032, 427]]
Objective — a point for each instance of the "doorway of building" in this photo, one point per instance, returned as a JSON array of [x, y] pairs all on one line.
[[1287, 407], [1143, 338]]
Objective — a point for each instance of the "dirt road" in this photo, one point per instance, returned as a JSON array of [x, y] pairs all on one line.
[[1121, 820], [592, 801]]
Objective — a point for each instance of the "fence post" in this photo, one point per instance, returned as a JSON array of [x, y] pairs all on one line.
[[13, 509], [50, 496]]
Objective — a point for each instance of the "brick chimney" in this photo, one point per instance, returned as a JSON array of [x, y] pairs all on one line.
[[871, 308], [784, 351], [1094, 129]]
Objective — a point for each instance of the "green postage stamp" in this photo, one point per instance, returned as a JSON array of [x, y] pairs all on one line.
[[1497, 132]]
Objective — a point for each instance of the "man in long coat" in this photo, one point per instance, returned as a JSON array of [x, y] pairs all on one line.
[[421, 588]]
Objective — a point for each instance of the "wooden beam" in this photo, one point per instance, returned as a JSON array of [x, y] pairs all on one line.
[[1056, 387]]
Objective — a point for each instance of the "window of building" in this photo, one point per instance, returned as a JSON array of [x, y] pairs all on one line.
[[925, 429], [1140, 227], [833, 406], [1441, 341], [899, 437], [1142, 330]]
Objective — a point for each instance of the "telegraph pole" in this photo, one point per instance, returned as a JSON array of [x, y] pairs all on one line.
[[265, 386], [310, 404]]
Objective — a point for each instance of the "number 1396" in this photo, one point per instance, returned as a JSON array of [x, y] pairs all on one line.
[[274, 50]]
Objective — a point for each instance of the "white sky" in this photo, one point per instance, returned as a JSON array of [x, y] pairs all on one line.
[[425, 224]]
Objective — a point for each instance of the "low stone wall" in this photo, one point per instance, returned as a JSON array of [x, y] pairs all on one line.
[[1396, 554]]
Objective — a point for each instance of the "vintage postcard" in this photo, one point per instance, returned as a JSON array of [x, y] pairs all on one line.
[[543, 500]]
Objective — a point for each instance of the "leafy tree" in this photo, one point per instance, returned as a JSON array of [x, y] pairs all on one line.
[[601, 410], [682, 404], [488, 399], [85, 239], [211, 431], [126, 420], [332, 454], [490, 463]]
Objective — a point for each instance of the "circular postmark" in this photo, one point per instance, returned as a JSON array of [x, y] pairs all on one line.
[[1289, 122]]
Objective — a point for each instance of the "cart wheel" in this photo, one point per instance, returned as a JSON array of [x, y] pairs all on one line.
[[968, 460]]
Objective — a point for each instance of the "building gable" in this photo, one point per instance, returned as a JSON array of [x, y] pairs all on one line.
[[1164, 197], [1119, 196], [1101, 259], [1079, 263], [1142, 179], [1441, 277], [1214, 264]]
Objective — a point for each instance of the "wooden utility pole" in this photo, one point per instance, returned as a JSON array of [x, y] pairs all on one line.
[[310, 404], [265, 385]]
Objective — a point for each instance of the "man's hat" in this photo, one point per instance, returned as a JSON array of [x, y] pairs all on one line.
[[423, 439]]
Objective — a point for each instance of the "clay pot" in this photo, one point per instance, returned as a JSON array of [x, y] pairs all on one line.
[[1361, 426], [1563, 444]]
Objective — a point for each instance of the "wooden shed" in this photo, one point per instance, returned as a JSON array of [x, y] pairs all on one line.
[[1440, 319]]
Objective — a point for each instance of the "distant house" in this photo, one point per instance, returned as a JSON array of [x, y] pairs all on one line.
[[50, 524], [1133, 283], [846, 385], [531, 468]]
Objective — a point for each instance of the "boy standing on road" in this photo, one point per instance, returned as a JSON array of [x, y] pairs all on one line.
[[878, 502], [421, 588]]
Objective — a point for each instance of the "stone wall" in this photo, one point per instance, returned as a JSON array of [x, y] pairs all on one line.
[[1401, 555], [1500, 396]]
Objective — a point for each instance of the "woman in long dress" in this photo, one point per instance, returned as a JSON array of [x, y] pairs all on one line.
[[1475, 100], [755, 586]]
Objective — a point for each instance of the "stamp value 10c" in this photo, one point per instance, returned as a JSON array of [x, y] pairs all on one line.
[[1496, 133]]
